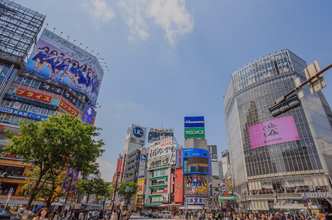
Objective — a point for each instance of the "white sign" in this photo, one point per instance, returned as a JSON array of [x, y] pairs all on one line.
[[317, 195], [159, 151], [136, 134], [162, 143]]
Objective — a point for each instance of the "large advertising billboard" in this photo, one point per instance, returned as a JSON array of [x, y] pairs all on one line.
[[275, 131], [214, 152], [140, 183], [55, 58], [136, 134], [194, 132], [156, 134], [168, 151], [196, 184], [195, 160], [178, 186], [194, 122]]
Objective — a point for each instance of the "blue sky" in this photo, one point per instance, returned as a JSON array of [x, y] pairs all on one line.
[[173, 58]]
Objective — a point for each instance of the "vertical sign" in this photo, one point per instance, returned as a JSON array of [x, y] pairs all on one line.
[[210, 167], [178, 188], [178, 158], [88, 114], [210, 189]]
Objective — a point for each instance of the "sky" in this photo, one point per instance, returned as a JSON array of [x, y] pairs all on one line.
[[168, 59]]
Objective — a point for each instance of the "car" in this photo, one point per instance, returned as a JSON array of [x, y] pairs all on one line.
[[166, 214], [6, 215], [155, 215]]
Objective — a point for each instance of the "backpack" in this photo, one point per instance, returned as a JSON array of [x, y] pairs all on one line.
[[217, 215]]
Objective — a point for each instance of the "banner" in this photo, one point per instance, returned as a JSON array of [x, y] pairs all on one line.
[[59, 60], [214, 152], [33, 95], [142, 162], [118, 167], [275, 131], [178, 186], [21, 113], [162, 143], [156, 134], [196, 184], [178, 158]]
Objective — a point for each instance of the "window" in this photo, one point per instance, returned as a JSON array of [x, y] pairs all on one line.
[[35, 84], [55, 101], [12, 90], [16, 120], [35, 109], [43, 111], [18, 79], [26, 81]]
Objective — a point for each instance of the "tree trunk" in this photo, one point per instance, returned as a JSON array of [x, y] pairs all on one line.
[[33, 192]]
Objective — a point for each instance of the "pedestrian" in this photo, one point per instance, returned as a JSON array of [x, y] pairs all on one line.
[[42, 214], [199, 215], [114, 215], [100, 215]]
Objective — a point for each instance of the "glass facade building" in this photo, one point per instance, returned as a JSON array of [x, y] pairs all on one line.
[[272, 169]]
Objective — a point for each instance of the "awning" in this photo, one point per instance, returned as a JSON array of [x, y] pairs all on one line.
[[152, 205], [175, 204], [194, 207], [155, 195]]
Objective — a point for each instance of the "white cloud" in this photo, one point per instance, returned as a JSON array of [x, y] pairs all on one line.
[[107, 169], [138, 28], [171, 15], [100, 10]]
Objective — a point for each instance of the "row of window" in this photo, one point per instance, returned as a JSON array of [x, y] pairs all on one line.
[[162, 172], [12, 119], [27, 108]]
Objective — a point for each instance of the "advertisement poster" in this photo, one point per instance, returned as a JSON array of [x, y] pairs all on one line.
[[136, 134], [88, 114], [194, 122], [159, 151], [156, 134], [118, 167], [194, 132], [140, 183], [196, 184], [142, 162], [275, 131], [59, 60], [178, 186]]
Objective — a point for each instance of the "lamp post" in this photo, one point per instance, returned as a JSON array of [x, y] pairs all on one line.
[[116, 186]]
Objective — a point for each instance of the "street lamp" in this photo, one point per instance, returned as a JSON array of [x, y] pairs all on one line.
[[3, 176]]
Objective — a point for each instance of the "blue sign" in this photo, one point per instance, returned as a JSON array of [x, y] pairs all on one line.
[[194, 122], [194, 152], [24, 114], [89, 112], [304, 198], [211, 190], [138, 132], [119, 195]]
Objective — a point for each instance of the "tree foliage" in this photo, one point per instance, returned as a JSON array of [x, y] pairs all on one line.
[[95, 186], [57, 144], [121, 189]]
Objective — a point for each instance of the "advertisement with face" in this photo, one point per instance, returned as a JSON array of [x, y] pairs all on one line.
[[156, 134], [274, 131], [57, 59], [196, 184]]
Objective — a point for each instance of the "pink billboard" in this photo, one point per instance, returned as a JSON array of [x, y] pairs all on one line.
[[275, 131]]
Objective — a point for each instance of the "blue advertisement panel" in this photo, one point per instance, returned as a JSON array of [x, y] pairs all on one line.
[[88, 114], [25, 114], [59, 60], [194, 122], [195, 161], [210, 167]]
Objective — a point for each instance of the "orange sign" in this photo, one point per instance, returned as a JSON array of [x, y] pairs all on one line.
[[34, 95], [67, 108], [178, 186]]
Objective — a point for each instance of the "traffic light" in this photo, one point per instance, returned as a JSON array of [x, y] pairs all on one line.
[[284, 105], [73, 199]]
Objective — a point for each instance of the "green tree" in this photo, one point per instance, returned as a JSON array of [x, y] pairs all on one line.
[[96, 186], [123, 190], [57, 144]]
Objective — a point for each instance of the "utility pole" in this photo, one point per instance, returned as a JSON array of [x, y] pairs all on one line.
[[116, 186]]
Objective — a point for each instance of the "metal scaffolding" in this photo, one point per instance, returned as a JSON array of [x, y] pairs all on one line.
[[19, 27]]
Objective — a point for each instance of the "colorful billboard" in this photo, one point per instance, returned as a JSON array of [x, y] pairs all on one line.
[[136, 134], [196, 184], [194, 122], [57, 59], [140, 183], [156, 134], [194, 132], [214, 152], [275, 131], [178, 186], [195, 201]]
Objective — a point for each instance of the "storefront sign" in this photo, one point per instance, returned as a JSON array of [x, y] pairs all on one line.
[[67, 108], [195, 201], [196, 184], [33, 95], [319, 195], [25, 114]]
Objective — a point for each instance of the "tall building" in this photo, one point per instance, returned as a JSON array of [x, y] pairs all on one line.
[[40, 86], [275, 162]]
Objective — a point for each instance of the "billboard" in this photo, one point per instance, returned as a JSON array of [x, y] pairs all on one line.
[[275, 131], [178, 186], [194, 132], [214, 152], [196, 184], [158, 151], [59, 60], [194, 122], [156, 134], [195, 201], [136, 134], [195, 160]]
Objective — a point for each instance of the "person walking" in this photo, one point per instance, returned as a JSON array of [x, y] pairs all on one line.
[[114, 215], [42, 214]]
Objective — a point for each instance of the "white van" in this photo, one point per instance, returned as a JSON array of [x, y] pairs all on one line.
[[166, 214]]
